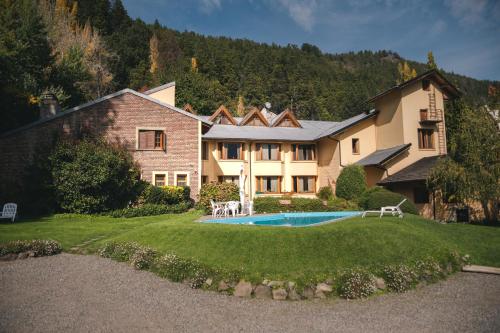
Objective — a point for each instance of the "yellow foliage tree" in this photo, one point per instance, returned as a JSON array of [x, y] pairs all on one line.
[[154, 54]]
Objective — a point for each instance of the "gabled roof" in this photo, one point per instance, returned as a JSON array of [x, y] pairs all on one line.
[[339, 128], [287, 114], [382, 156], [432, 74], [254, 113], [418, 171], [102, 99], [223, 111]]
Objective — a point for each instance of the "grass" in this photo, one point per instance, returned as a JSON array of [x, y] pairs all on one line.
[[276, 252]]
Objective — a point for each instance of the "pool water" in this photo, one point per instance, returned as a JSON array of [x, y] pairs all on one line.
[[286, 219]]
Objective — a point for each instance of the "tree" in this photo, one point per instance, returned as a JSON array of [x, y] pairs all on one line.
[[154, 55], [351, 182], [473, 173], [240, 108], [431, 64], [406, 72]]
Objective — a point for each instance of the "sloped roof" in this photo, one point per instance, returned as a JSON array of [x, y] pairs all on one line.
[[225, 112], [254, 113], [311, 130], [381, 156], [417, 171], [434, 74], [102, 99]]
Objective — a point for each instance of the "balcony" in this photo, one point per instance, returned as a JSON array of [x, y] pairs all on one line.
[[427, 119]]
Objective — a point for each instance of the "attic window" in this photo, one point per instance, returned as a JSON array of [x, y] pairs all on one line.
[[223, 120], [286, 119], [255, 121], [426, 84], [355, 146]]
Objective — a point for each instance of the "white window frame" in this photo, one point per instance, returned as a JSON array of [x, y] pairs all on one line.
[[188, 178], [153, 180]]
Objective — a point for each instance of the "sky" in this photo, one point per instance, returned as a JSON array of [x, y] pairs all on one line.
[[464, 35]]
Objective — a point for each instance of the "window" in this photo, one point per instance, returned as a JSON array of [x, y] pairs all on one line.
[[181, 179], [304, 184], [269, 184], [204, 150], [423, 114], [151, 139], [425, 138], [268, 151], [303, 152], [231, 150], [420, 195], [426, 85], [230, 179], [204, 179], [159, 179], [355, 146], [255, 121]]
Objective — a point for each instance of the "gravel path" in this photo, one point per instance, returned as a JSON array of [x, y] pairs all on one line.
[[72, 293]]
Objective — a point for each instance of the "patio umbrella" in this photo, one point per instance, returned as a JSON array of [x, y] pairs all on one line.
[[242, 187]]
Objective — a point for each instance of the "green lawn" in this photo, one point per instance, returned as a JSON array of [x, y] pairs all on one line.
[[274, 251]]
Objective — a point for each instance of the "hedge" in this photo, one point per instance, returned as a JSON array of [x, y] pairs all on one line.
[[351, 182], [376, 197], [273, 205], [151, 209], [217, 192], [164, 195]]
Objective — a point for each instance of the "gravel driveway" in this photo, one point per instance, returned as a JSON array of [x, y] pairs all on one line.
[[72, 293]]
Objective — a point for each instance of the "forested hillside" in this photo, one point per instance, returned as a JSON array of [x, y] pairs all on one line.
[[85, 49]]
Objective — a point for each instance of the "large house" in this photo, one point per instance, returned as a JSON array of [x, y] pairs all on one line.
[[397, 142]]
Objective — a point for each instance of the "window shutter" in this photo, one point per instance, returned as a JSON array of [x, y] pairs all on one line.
[[142, 140], [150, 139], [162, 141]]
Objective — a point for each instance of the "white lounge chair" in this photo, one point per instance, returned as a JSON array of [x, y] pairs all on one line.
[[9, 211], [393, 210], [233, 207], [217, 209]]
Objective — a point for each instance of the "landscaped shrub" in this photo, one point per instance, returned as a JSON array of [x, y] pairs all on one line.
[[39, 248], [143, 258], [164, 195], [376, 197], [121, 251], [339, 204], [92, 176], [217, 192], [399, 278], [356, 283], [325, 193], [429, 270], [351, 182], [151, 209], [273, 205], [178, 269]]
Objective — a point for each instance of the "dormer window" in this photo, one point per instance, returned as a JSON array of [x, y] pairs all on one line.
[[254, 118], [286, 119], [222, 116]]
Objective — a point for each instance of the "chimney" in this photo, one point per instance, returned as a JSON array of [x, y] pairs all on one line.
[[49, 106]]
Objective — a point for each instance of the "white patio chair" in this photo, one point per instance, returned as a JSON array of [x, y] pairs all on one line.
[[233, 207], [393, 210], [9, 211], [216, 208]]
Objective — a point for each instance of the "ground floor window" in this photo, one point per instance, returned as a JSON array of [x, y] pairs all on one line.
[[159, 178], [268, 184], [181, 179], [229, 179], [420, 195], [304, 184]]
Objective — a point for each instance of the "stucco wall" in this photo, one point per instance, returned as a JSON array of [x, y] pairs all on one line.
[[389, 121], [166, 95]]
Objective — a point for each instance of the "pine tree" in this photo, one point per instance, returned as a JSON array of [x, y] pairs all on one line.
[[431, 64]]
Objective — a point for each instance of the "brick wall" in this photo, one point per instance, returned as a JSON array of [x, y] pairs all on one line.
[[117, 120]]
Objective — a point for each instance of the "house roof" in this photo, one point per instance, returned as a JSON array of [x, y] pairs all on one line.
[[382, 156], [434, 74], [310, 130], [102, 99], [254, 113], [285, 114], [417, 171], [222, 110]]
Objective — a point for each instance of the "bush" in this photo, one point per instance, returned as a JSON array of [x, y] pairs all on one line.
[[351, 182], [399, 278], [325, 193], [217, 192], [179, 269], [272, 205], [377, 197], [151, 209], [164, 195], [339, 204], [92, 176], [140, 257], [356, 284], [38, 247], [143, 258], [429, 270]]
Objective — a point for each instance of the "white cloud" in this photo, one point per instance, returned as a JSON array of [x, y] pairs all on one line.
[[207, 6], [301, 11], [467, 11]]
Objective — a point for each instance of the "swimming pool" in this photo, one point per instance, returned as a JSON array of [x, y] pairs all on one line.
[[286, 219]]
